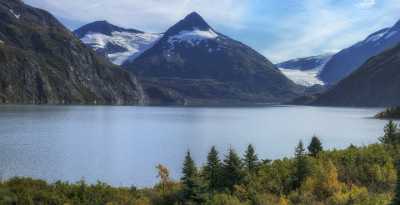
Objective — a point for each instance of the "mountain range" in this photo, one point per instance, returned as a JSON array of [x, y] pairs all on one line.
[[41, 62], [116, 43], [340, 65], [350, 59], [199, 64], [375, 83]]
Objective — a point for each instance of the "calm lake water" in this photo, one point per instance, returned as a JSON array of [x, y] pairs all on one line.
[[122, 145]]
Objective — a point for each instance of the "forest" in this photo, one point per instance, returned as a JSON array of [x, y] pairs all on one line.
[[364, 175]]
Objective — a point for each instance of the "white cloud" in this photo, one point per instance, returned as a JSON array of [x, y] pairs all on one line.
[[315, 26], [366, 4], [324, 27], [151, 15]]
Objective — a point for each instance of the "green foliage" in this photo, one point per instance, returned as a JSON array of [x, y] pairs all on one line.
[[192, 189], [251, 160], [396, 199], [315, 147], [391, 136], [390, 113], [301, 166], [213, 171], [232, 170], [224, 199]]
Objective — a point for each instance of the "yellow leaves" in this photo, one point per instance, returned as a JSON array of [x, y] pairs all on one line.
[[323, 183], [356, 195], [283, 201]]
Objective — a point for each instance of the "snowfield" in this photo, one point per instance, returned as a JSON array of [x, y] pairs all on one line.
[[133, 43], [306, 78], [193, 37]]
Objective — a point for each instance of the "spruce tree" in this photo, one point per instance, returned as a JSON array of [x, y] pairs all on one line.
[[315, 147], [301, 166], [396, 199], [232, 170], [212, 171], [391, 136], [251, 160], [191, 186]]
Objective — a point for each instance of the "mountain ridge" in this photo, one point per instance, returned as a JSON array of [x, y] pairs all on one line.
[[41, 62], [350, 59], [192, 53], [375, 83]]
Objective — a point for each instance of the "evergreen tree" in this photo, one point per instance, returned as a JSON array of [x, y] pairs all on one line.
[[301, 166], [391, 136], [192, 189], [212, 171], [315, 147], [396, 199], [251, 160], [232, 170]]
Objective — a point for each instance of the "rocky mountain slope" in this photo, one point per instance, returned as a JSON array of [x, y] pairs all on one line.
[[42, 62], [350, 59], [203, 65], [116, 43], [376, 83]]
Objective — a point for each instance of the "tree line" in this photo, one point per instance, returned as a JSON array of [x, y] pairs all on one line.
[[356, 175]]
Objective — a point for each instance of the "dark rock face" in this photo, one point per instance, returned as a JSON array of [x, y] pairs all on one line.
[[205, 65], [101, 27], [350, 59], [376, 83], [308, 63], [42, 62]]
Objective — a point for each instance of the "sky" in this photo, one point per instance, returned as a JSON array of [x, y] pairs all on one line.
[[278, 29]]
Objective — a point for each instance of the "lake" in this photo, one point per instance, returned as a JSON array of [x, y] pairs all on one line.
[[122, 145]]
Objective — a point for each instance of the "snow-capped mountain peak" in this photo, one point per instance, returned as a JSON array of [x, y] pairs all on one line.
[[116, 43], [103, 27], [192, 22], [191, 31]]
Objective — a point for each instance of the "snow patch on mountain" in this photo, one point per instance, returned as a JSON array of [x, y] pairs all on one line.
[[390, 34], [133, 44], [306, 78], [17, 16], [375, 37], [193, 37], [305, 71]]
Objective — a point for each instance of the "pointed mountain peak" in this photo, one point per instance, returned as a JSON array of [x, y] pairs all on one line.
[[194, 16], [103, 27], [191, 22]]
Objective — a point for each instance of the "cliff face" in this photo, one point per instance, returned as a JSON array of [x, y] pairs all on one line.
[[42, 62]]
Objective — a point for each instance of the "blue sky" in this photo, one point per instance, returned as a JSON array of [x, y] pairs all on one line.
[[279, 29]]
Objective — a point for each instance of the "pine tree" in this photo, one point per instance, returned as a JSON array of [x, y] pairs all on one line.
[[315, 147], [232, 170], [391, 136], [396, 199], [301, 166], [192, 189], [251, 160], [212, 171]]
